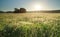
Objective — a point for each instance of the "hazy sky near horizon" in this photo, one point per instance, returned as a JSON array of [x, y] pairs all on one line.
[[9, 5]]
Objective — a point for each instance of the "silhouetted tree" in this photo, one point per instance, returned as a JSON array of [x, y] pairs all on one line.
[[22, 10], [16, 10]]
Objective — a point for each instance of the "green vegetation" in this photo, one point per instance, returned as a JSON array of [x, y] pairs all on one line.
[[29, 25]]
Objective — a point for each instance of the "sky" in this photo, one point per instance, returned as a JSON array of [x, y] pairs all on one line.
[[9, 5]]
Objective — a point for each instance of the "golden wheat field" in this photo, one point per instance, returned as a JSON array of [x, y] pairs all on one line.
[[30, 24]]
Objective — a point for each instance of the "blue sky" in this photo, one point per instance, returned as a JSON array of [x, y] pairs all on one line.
[[9, 5]]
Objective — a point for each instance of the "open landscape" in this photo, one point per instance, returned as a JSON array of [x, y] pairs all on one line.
[[29, 18], [30, 24]]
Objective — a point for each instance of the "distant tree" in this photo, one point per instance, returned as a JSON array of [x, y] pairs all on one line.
[[16, 10], [22, 10]]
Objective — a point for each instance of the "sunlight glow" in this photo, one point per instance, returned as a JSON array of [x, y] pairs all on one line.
[[37, 7]]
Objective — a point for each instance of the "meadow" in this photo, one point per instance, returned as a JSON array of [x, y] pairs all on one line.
[[30, 24]]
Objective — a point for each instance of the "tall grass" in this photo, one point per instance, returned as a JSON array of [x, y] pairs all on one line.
[[23, 26]]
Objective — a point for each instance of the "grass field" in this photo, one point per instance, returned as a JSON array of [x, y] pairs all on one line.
[[29, 24]]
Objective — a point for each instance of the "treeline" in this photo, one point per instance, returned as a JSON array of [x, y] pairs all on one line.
[[21, 10]]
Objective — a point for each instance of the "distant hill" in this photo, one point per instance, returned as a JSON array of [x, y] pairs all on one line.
[[51, 11]]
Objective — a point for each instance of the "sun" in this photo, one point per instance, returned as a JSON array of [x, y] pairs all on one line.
[[37, 7]]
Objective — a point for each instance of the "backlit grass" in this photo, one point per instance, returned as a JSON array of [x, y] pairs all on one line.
[[29, 25]]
